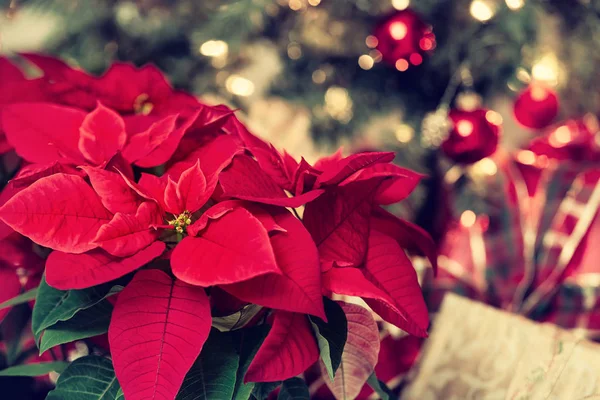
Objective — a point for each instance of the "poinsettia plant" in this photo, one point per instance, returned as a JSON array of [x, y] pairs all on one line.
[[205, 257]]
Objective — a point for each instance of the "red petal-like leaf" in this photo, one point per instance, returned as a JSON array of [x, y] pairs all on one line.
[[215, 212], [113, 190], [33, 172], [173, 203], [298, 288], [261, 188], [9, 72], [102, 135], [154, 187], [126, 234], [143, 143], [233, 248], [339, 222], [9, 288], [60, 211], [43, 133], [288, 350], [360, 354], [349, 165], [389, 268], [329, 162], [66, 271], [401, 183], [191, 188], [407, 234], [157, 331]]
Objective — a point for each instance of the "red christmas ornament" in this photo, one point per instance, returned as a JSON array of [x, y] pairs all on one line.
[[571, 140], [474, 135], [536, 106], [403, 38]]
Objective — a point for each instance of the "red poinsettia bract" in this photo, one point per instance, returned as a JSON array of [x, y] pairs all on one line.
[[124, 176]]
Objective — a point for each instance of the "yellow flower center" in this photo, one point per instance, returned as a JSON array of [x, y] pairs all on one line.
[[182, 221], [141, 105]]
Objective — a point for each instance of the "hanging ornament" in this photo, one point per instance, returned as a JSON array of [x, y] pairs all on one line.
[[403, 39], [536, 106], [474, 135]]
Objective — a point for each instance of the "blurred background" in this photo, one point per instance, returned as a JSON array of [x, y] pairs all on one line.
[[495, 101]]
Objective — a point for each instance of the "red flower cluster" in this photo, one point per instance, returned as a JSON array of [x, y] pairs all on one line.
[[123, 174]]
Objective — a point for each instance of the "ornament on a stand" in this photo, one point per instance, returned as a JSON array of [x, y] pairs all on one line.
[[474, 135], [536, 107], [403, 39]]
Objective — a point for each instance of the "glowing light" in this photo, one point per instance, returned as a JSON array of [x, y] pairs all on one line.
[[338, 103], [415, 59], [376, 55], [547, 69], [523, 75], [515, 4], [486, 166], [538, 93], [400, 4], [404, 133], [526, 157], [366, 62], [314, 3], [295, 5], [319, 76], [239, 86], [214, 48], [371, 41], [560, 137], [468, 218], [426, 44], [398, 30], [402, 65], [482, 10], [493, 118], [464, 127]]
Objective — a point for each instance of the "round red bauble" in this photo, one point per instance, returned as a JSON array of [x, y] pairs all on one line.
[[403, 38], [536, 106], [474, 135]]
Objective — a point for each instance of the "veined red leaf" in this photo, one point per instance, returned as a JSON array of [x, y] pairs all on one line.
[[215, 212], [173, 203], [233, 248], [33, 172], [388, 267], [407, 234], [113, 190], [261, 188], [143, 143], [339, 222], [305, 177], [101, 135], [60, 211], [288, 350], [401, 183], [56, 69], [192, 191], [9, 287], [271, 161], [298, 288], [43, 133], [161, 153], [157, 331], [360, 353], [126, 234], [345, 167], [329, 162], [66, 271]]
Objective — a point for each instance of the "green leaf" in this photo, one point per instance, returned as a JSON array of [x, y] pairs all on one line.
[[53, 305], [250, 340], [35, 369], [262, 390], [86, 323], [12, 329], [379, 387], [214, 371], [236, 320], [331, 335], [120, 395], [87, 378], [20, 299], [293, 389]]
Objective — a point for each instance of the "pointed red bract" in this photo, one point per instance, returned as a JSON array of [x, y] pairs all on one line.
[[66, 271], [143, 143], [43, 133], [233, 248], [388, 267], [126, 234], [261, 188], [298, 288], [345, 167], [102, 135], [60, 211], [359, 358], [339, 222], [400, 183], [157, 331], [33, 172], [288, 350], [189, 193], [9, 288], [113, 190]]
